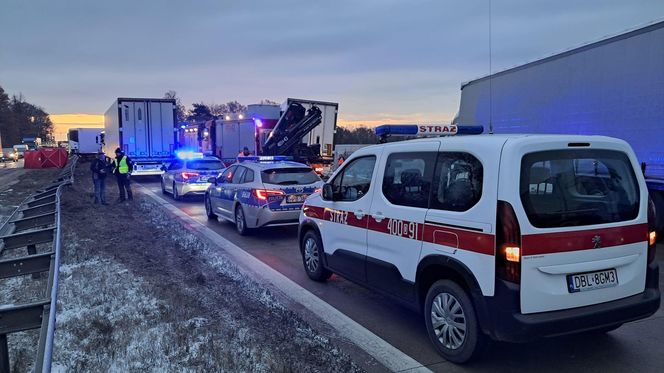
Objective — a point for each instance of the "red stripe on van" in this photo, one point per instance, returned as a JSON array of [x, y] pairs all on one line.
[[549, 243], [476, 242], [314, 212]]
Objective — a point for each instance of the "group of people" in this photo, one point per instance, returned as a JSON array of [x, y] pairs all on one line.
[[121, 167]]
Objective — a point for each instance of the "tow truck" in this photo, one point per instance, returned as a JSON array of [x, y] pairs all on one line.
[[303, 131]]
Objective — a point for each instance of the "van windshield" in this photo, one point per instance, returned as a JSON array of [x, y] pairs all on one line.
[[578, 187]]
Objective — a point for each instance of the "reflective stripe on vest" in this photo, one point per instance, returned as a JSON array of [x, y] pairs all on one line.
[[124, 167]]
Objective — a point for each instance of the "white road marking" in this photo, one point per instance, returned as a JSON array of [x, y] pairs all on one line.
[[388, 355]]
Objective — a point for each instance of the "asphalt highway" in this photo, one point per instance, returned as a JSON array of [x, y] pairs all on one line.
[[637, 346]]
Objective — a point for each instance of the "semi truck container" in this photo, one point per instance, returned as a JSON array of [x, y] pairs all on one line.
[[612, 87], [85, 142], [323, 134], [145, 129]]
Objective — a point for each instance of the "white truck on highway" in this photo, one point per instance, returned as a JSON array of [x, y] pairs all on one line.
[[145, 129], [612, 87], [85, 142]]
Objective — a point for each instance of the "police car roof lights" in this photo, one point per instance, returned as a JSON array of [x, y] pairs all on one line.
[[185, 154], [426, 130], [265, 158]]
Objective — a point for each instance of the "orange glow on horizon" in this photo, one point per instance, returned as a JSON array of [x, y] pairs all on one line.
[[63, 122]]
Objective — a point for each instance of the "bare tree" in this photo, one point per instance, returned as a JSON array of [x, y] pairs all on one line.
[[180, 110]]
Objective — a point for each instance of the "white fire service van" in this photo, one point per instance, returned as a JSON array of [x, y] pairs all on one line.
[[511, 237]]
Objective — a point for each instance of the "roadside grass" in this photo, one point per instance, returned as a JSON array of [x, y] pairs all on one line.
[[141, 292]]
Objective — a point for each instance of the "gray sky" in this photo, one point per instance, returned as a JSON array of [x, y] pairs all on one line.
[[381, 60]]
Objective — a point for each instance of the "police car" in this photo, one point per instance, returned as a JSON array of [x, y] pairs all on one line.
[[189, 174], [261, 191], [511, 237]]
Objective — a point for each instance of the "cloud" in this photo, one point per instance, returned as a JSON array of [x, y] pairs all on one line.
[[373, 57]]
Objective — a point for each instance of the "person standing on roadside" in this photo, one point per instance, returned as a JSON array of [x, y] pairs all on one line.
[[99, 170], [122, 167]]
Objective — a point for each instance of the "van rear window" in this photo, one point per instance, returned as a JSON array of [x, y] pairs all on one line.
[[578, 187]]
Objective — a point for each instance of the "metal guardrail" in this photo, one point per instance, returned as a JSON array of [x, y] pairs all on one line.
[[36, 221]]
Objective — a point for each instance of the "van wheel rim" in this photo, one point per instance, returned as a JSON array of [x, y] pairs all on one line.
[[311, 255], [239, 220], [448, 321]]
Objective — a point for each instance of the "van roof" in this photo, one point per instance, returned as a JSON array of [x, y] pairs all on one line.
[[488, 139]]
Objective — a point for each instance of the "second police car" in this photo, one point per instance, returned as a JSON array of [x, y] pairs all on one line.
[[261, 191], [189, 174], [508, 237]]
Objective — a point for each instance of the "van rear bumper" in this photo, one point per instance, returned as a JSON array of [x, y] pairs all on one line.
[[503, 320]]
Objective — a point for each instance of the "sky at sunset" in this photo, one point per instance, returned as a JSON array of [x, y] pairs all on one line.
[[384, 61]]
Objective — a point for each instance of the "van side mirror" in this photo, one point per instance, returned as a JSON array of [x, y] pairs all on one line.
[[327, 193], [212, 180]]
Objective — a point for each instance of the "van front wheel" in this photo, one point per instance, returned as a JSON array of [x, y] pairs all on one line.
[[451, 322]]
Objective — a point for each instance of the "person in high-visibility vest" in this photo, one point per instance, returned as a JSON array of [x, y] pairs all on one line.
[[122, 167]]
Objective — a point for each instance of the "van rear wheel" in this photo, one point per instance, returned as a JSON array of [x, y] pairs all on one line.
[[451, 322]]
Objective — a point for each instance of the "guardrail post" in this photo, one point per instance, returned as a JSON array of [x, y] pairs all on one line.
[[32, 250], [4, 354]]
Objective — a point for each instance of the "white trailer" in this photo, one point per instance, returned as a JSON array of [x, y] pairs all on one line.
[[322, 134], [145, 129], [613, 87], [84, 141]]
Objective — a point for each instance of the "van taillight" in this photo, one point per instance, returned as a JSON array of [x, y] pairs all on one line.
[[652, 233], [508, 244]]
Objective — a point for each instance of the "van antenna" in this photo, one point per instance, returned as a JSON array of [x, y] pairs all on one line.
[[490, 77]]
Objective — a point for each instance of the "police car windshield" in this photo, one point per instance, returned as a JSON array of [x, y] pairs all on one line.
[[289, 176], [202, 165]]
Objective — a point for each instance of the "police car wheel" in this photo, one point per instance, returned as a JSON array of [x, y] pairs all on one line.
[[240, 222], [208, 208], [163, 187], [312, 257], [176, 195], [451, 322]]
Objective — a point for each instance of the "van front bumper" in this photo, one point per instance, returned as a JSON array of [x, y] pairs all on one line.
[[502, 320]]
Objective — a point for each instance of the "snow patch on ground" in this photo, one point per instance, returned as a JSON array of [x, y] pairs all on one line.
[[140, 292]]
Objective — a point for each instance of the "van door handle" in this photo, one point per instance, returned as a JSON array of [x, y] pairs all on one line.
[[378, 217], [359, 214]]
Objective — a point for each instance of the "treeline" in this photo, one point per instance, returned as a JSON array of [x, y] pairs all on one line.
[[356, 135], [19, 119], [200, 112]]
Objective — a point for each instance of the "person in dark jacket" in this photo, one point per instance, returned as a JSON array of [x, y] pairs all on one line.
[[99, 170], [122, 167]]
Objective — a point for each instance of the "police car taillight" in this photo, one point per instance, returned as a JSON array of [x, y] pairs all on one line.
[[264, 194], [652, 234], [508, 244], [188, 175]]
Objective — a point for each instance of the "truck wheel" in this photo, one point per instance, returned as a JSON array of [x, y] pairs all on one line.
[[451, 322], [240, 221], [658, 200], [208, 208], [176, 195], [312, 257]]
